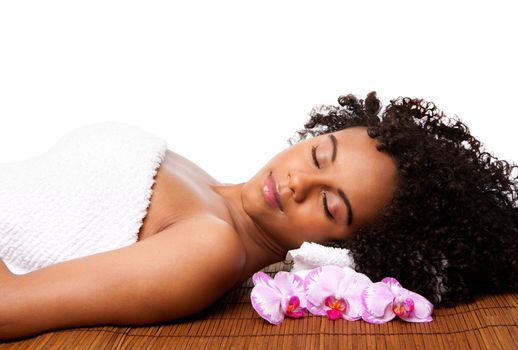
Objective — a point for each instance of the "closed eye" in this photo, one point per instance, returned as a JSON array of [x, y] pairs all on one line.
[[326, 209], [314, 154]]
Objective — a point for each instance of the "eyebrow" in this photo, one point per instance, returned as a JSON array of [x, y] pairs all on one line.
[[340, 192], [335, 146]]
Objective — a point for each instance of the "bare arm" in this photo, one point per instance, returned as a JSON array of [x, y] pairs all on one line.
[[175, 273], [5, 273]]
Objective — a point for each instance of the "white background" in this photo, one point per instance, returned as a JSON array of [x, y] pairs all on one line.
[[226, 83]]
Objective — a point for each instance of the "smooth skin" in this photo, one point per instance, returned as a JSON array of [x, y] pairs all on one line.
[[201, 238]]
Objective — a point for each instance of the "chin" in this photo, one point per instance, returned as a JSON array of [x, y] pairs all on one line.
[[252, 199]]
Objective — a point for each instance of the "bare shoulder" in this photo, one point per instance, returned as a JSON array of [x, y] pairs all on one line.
[[175, 273], [213, 241]]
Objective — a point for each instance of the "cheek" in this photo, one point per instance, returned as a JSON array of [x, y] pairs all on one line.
[[308, 223], [314, 226]]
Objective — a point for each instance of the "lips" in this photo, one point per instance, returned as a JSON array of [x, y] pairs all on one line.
[[270, 192]]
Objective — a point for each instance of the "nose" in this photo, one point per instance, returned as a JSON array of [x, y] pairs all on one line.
[[302, 183]]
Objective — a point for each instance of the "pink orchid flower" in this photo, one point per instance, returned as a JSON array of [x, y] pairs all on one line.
[[387, 299], [336, 292], [273, 299]]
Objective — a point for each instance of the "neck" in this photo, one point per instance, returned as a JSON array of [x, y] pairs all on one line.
[[261, 249]]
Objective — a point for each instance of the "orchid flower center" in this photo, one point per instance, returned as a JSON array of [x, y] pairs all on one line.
[[337, 307], [293, 308], [402, 307]]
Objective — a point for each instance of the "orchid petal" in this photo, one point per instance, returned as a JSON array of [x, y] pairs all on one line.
[[337, 304], [389, 315], [309, 282], [376, 299], [316, 309], [335, 307], [311, 278], [299, 290], [297, 314], [284, 281], [294, 302], [347, 279], [293, 308], [391, 281], [320, 284], [403, 307], [267, 302], [328, 276], [393, 284], [298, 283], [422, 308], [261, 277], [353, 296], [290, 285], [333, 314], [331, 276]]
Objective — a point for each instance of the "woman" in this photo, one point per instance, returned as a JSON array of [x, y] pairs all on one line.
[[410, 193]]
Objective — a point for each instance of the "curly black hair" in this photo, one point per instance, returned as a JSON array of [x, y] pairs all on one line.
[[450, 231]]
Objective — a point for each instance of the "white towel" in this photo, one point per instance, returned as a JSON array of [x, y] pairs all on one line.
[[88, 194], [312, 255]]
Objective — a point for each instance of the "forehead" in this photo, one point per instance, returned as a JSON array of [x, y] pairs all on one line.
[[356, 135], [357, 151], [355, 143], [367, 175]]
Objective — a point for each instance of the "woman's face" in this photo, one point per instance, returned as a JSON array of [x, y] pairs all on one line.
[[321, 189]]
